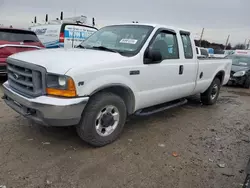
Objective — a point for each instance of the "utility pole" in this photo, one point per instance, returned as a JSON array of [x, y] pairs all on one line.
[[201, 35], [46, 18], [245, 43], [248, 45], [227, 42]]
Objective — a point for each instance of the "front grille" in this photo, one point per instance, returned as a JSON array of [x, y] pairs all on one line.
[[25, 78]]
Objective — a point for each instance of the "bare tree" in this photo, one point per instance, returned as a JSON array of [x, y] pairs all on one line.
[[240, 46]]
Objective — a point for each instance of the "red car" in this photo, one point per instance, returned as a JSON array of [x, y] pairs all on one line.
[[16, 40]]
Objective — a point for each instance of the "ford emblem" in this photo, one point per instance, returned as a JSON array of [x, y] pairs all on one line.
[[16, 76]]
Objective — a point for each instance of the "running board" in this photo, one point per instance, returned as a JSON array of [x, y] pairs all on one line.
[[160, 107]]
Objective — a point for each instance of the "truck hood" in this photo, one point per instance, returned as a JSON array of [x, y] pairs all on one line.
[[62, 60], [236, 68]]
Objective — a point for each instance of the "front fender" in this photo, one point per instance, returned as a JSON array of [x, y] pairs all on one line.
[[101, 82]]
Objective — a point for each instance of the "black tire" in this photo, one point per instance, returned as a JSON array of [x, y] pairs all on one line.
[[208, 97], [87, 127], [247, 83]]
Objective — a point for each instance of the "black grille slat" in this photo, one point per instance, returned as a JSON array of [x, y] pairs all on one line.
[[20, 88], [26, 78], [22, 82], [14, 70]]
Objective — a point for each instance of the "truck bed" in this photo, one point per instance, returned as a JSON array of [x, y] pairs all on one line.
[[208, 68]]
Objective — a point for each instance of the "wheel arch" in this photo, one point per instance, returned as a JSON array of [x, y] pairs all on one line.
[[220, 75], [121, 90]]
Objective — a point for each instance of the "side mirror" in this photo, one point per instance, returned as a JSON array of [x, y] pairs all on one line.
[[153, 57]]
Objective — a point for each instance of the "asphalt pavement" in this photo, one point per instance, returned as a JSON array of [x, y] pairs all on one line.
[[192, 146]]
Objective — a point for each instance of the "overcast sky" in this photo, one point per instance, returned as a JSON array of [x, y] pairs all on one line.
[[219, 17]]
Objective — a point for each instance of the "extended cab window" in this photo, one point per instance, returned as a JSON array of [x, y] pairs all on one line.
[[187, 45], [167, 44]]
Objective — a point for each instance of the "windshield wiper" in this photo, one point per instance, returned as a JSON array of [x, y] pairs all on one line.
[[100, 48], [80, 46], [104, 48]]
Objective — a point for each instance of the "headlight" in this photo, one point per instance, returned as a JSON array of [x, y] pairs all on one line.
[[239, 74], [60, 85]]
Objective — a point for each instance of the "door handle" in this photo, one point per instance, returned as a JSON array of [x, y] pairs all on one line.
[[181, 68]]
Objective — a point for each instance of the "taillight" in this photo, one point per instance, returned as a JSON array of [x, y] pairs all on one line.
[[61, 38]]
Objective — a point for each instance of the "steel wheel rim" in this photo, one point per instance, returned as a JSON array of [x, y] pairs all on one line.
[[107, 120], [214, 92]]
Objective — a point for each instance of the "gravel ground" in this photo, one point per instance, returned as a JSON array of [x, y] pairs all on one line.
[[192, 146]]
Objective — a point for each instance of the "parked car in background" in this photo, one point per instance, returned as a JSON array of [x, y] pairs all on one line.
[[16, 40], [218, 53], [242, 52], [202, 52], [229, 52], [118, 71], [62, 35], [210, 52], [240, 72]]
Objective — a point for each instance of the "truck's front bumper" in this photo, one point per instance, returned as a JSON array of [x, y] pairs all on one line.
[[46, 110]]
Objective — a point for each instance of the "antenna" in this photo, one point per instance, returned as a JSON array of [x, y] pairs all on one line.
[[201, 35], [226, 42], [93, 21], [46, 18], [61, 17]]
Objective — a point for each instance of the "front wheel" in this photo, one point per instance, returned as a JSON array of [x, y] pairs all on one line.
[[210, 96], [103, 119]]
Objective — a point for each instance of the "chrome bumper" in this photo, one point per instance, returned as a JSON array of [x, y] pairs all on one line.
[[46, 110]]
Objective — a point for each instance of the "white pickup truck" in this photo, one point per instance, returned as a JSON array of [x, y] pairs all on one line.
[[118, 71]]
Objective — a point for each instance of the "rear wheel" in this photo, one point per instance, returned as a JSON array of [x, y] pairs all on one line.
[[210, 96], [103, 119]]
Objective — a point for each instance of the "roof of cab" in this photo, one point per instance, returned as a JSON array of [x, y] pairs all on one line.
[[155, 26]]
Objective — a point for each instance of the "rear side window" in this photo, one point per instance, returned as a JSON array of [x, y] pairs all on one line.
[[187, 45], [17, 36]]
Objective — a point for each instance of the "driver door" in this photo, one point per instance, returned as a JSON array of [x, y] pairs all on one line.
[[168, 79], [161, 79]]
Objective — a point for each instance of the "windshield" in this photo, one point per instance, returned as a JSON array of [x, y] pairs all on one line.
[[124, 39], [240, 60]]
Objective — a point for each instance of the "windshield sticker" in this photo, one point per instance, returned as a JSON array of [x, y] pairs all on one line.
[[241, 63], [128, 41]]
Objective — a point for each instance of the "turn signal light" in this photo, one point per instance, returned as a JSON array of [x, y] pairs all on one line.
[[69, 92]]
